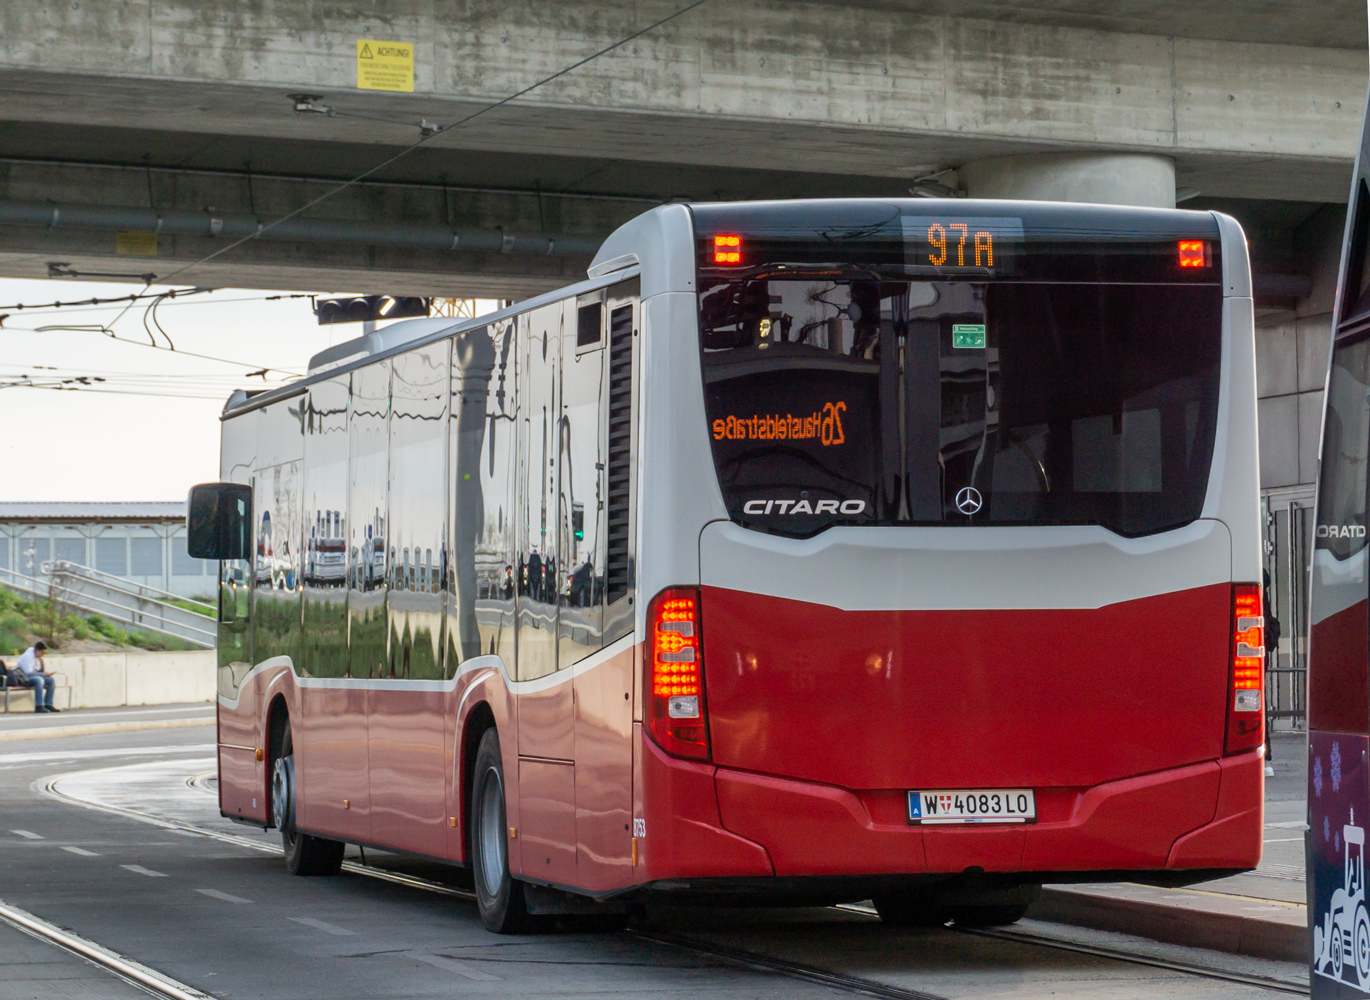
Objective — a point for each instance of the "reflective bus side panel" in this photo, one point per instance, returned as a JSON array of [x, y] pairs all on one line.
[[1339, 635]]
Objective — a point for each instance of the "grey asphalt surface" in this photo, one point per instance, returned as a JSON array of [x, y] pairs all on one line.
[[226, 919]]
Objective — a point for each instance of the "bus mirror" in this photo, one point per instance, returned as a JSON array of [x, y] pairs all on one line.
[[219, 521]]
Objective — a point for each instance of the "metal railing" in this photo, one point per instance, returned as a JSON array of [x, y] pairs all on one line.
[[1288, 548], [132, 604]]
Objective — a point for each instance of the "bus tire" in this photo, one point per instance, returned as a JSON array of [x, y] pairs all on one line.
[[304, 855], [503, 907]]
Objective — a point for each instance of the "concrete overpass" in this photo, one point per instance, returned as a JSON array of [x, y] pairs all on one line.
[[121, 113], [198, 120]]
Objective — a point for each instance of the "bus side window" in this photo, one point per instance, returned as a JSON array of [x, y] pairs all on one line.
[[417, 506], [1339, 666], [580, 502], [539, 561], [481, 457], [1356, 286]]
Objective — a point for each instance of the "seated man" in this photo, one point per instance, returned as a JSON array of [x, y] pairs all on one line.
[[43, 683]]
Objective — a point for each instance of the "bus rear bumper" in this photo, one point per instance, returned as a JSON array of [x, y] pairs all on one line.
[[1202, 816]]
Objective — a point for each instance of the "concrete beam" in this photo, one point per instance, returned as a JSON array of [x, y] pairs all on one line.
[[856, 88], [27, 251]]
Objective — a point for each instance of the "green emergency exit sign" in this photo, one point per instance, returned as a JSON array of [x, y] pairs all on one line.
[[968, 336]]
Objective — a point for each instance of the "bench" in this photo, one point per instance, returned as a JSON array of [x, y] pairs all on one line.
[[8, 690]]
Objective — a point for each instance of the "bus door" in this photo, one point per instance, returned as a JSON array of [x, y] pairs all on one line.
[[601, 693], [333, 730], [546, 735], [406, 731]]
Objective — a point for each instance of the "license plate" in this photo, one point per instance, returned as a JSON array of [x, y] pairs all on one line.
[[973, 805]]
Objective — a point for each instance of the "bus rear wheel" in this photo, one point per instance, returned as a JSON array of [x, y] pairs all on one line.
[[304, 855], [503, 907]]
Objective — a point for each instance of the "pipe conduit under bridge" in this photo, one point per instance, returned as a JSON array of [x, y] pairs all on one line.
[[237, 225]]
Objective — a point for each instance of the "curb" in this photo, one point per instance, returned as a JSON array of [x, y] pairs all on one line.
[[1195, 926], [53, 732]]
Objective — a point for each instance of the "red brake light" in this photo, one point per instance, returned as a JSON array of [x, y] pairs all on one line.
[[1246, 697], [1194, 253], [728, 249], [675, 675]]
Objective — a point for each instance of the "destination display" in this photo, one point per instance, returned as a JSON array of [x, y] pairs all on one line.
[[959, 240], [948, 245]]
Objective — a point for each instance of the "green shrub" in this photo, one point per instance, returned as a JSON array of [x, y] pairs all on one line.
[[23, 620]]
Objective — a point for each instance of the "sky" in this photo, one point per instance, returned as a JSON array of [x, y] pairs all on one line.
[[150, 430]]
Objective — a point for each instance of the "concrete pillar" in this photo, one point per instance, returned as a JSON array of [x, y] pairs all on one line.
[[1101, 178]]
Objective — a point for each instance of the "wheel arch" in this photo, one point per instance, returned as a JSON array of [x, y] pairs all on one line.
[[277, 719], [479, 719]]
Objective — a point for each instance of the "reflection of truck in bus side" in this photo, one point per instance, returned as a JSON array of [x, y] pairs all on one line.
[[326, 555]]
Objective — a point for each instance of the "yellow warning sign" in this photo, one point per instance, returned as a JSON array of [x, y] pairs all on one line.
[[132, 243], [385, 65]]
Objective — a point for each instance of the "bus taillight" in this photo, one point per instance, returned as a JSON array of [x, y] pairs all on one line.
[[1246, 701], [675, 675]]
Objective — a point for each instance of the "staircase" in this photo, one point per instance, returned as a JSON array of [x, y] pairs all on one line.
[[130, 604]]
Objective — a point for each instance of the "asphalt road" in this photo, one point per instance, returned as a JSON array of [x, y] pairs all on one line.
[[222, 916]]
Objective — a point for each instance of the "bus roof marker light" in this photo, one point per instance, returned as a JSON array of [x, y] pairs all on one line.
[[728, 249], [1195, 253]]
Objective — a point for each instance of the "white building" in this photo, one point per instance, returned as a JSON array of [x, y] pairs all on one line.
[[142, 542]]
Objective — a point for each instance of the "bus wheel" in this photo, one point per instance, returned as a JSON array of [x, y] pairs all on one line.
[[503, 908], [304, 855]]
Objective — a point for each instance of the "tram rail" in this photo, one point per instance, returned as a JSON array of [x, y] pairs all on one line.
[[733, 956]]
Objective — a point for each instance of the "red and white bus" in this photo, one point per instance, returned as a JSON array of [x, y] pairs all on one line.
[[807, 551]]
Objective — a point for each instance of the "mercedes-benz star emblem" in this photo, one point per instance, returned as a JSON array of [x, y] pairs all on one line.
[[969, 500]]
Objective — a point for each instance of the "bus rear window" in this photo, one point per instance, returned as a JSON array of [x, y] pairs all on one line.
[[847, 401]]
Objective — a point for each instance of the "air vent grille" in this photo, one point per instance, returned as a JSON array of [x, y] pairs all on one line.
[[616, 571]]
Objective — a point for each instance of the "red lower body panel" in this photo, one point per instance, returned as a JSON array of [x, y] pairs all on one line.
[[1205, 815], [684, 836], [1000, 698]]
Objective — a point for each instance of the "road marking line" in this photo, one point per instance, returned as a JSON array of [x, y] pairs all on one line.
[[141, 712], [28, 835], [460, 968], [226, 897], [1293, 824], [1285, 840], [150, 979], [140, 870], [323, 925], [43, 756], [1215, 895], [53, 732], [81, 851]]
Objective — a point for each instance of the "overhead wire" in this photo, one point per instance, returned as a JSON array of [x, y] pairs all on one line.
[[107, 330], [19, 306], [171, 301], [428, 136], [122, 392]]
